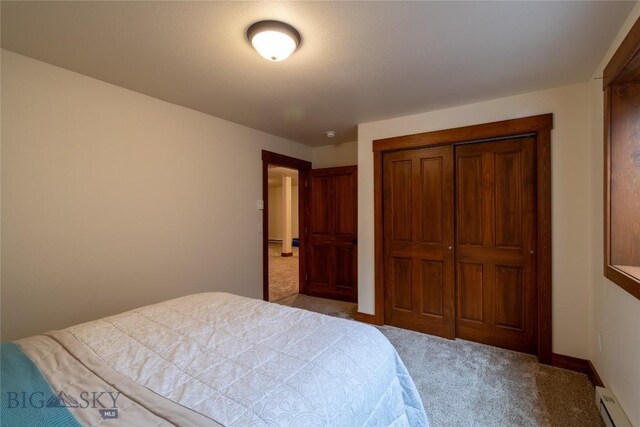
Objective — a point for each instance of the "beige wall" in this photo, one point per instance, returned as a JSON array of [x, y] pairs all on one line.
[[570, 197], [112, 199], [616, 313], [275, 212], [345, 154]]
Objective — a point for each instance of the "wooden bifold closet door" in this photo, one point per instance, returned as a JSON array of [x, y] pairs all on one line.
[[459, 241], [496, 298], [418, 230]]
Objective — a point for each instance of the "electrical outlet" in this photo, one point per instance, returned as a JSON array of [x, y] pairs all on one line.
[[599, 342], [260, 205]]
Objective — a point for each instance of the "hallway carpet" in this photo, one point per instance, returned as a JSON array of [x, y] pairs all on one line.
[[284, 275], [463, 383]]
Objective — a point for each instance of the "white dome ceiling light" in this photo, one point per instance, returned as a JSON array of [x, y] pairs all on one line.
[[274, 40]]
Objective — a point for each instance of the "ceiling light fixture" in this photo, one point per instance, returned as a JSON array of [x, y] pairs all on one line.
[[274, 40], [331, 133]]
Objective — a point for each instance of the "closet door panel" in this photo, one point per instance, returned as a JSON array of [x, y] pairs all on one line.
[[402, 273], [418, 230], [497, 298], [401, 201], [509, 295], [431, 196], [469, 201], [432, 282], [508, 199], [470, 291]]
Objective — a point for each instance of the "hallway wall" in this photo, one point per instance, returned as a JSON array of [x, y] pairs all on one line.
[[275, 213]]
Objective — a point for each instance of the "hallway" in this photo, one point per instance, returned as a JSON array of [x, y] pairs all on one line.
[[283, 273]]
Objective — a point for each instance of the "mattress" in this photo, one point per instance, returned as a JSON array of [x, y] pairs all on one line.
[[220, 359]]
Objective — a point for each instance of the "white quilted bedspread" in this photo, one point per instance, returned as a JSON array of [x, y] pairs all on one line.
[[245, 362]]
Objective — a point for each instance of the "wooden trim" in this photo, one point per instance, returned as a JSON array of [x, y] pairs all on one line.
[[569, 362], [628, 54], [541, 126], [286, 254], [379, 238], [543, 195], [606, 174], [577, 365], [593, 375], [265, 229], [467, 133], [304, 214], [627, 50], [622, 279], [336, 169], [285, 161], [367, 318], [303, 167]]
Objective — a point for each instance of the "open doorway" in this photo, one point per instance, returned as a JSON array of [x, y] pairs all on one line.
[[284, 190], [284, 232]]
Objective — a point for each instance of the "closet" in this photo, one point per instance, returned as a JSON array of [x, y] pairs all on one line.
[[460, 235]]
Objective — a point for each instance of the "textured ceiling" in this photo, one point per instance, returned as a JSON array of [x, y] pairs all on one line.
[[358, 62]]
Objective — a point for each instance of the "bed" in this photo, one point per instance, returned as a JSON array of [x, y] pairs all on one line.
[[218, 359]]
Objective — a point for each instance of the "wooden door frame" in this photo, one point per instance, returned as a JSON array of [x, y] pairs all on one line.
[[537, 126], [303, 167]]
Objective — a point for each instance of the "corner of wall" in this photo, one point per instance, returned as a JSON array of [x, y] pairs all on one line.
[[327, 156]]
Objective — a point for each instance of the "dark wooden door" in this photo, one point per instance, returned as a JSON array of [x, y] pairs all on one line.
[[333, 232], [418, 238], [496, 243]]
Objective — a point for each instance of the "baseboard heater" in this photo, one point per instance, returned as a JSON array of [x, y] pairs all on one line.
[[610, 409]]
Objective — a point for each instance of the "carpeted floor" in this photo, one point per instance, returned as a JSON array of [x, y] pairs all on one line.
[[284, 275], [463, 383]]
